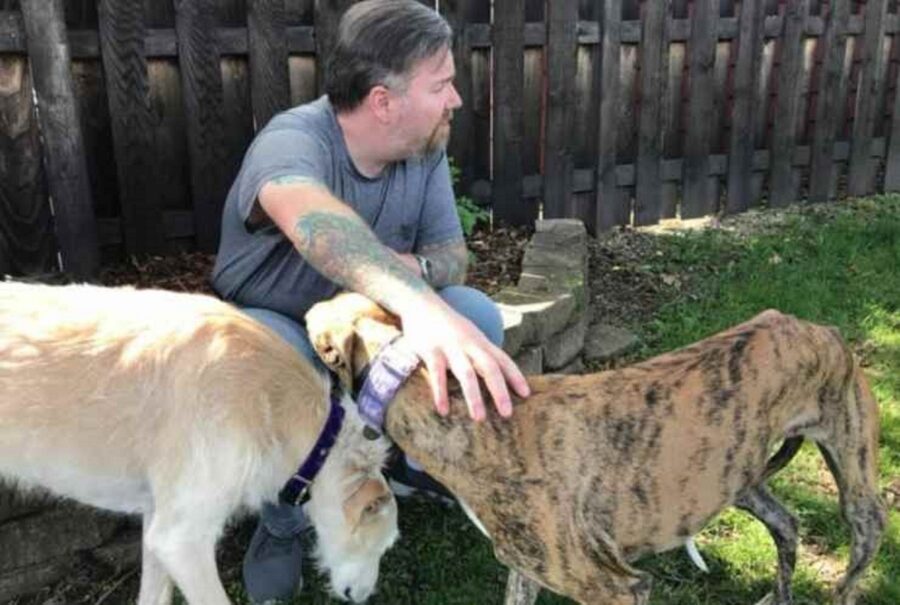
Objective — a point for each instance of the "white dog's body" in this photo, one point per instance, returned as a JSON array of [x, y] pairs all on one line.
[[182, 409]]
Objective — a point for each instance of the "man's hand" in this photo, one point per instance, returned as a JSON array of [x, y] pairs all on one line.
[[445, 340]]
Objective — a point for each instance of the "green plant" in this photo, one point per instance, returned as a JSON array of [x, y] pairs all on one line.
[[470, 213]]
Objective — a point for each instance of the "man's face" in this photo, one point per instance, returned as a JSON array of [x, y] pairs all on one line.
[[426, 107]]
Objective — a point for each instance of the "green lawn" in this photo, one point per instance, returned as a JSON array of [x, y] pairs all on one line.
[[836, 265]]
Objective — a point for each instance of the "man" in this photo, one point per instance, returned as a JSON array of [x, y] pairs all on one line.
[[353, 191]]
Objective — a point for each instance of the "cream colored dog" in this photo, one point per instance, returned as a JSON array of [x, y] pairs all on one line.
[[180, 408], [593, 471]]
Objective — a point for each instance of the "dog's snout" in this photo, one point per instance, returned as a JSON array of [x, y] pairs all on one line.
[[348, 594]]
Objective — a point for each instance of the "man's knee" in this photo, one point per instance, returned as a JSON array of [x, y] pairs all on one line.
[[477, 307]]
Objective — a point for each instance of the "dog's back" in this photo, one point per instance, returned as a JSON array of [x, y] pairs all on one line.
[[118, 384]]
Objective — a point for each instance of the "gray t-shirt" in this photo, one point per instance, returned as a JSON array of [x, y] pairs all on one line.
[[409, 206]]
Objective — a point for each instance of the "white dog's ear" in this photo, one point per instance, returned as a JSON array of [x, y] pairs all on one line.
[[335, 348], [367, 502]]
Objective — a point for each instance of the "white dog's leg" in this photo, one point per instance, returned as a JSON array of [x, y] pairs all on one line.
[[185, 544], [156, 584]]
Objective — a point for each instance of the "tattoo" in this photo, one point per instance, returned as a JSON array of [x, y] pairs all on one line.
[[343, 249], [448, 263]]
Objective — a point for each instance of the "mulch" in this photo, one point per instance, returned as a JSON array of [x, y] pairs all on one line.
[[495, 264]]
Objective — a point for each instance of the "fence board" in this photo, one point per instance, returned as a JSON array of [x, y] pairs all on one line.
[[647, 208], [828, 102], [700, 191], [746, 70], [562, 17], [63, 148], [328, 15], [269, 77], [122, 34], [457, 13], [27, 243], [509, 206], [611, 206], [892, 163], [201, 80], [784, 180], [861, 173]]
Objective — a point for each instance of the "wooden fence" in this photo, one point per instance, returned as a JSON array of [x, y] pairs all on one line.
[[612, 111]]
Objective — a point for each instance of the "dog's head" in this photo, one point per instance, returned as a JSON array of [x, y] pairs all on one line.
[[348, 331], [353, 510]]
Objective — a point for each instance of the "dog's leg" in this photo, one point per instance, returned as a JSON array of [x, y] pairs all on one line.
[[520, 590], [782, 525], [156, 584], [862, 510], [185, 544]]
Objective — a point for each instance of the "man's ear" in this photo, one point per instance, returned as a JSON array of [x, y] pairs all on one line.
[[379, 102]]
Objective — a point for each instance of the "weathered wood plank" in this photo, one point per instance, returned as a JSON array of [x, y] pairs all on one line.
[[700, 192], [509, 206], [653, 74], [892, 163], [828, 101], [122, 35], [746, 73], [269, 77], [611, 206], [457, 13], [479, 15], [201, 79], [784, 182], [328, 15], [27, 243], [64, 159], [562, 18], [861, 173]]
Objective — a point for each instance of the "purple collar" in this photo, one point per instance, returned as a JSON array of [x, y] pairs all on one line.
[[381, 380], [296, 491]]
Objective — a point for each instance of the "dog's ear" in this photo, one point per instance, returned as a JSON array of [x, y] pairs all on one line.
[[335, 348], [367, 502]]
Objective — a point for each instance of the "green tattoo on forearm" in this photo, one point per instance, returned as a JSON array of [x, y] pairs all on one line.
[[344, 249]]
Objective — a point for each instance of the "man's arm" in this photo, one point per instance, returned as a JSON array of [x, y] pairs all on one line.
[[449, 263], [334, 240]]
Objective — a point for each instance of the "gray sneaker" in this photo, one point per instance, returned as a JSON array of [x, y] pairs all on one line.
[[273, 563]]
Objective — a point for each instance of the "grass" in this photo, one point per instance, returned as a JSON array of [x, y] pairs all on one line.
[[836, 265]]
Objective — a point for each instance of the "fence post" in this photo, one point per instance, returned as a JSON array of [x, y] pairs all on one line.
[[508, 39], [700, 190], [201, 80], [784, 182], [746, 75], [327, 16], [562, 41], [461, 140], [122, 33], [612, 208], [861, 174], [269, 75], [828, 102], [654, 48], [67, 178]]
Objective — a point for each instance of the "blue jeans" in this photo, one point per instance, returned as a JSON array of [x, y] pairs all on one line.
[[472, 304]]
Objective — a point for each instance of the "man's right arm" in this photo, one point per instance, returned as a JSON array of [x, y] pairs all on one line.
[[337, 243]]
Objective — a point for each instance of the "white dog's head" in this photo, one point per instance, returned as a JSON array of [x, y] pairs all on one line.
[[353, 510]]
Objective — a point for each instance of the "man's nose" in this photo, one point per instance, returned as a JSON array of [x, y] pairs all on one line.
[[455, 99]]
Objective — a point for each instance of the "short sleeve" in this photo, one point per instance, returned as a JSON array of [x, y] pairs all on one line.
[[279, 153], [439, 221]]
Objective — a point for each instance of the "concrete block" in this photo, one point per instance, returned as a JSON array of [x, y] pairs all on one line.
[[565, 346], [530, 361], [542, 314], [604, 342]]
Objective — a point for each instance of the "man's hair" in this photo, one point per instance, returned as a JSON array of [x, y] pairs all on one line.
[[379, 42]]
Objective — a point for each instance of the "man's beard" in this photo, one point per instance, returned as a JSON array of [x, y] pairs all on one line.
[[439, 137]]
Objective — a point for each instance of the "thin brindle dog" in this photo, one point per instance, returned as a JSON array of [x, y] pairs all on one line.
[[594, 471]]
